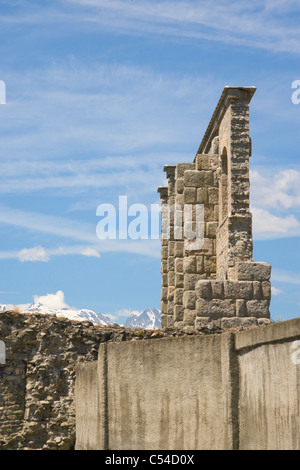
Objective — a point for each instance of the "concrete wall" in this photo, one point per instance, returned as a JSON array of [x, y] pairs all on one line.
[[229, 391], [269, 364]]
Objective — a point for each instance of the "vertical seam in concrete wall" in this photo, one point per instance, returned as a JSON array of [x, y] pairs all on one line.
[[235, 391], [104, 396]]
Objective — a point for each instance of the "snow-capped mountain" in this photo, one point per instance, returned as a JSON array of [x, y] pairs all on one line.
[[148, 319], [67, 312]]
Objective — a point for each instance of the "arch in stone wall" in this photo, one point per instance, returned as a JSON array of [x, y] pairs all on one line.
[[224, 185]]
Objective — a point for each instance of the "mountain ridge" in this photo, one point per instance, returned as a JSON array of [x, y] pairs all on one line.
[[146, 319]]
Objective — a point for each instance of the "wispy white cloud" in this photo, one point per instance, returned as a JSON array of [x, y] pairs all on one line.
[[279, 190], [275, 203], [71, 230], [265, 222], [285, 276], [55, 301], [276, 290], [256, 24], [69, 111], [90, 252], [260, 25], [38, 253], [54, 225]]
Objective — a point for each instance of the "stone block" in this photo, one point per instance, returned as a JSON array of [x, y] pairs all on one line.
[[257, 292], [215, 308], [190, 195], [189, 264], [164, 280], [189, 317], [208, 247], [170, 320], [171, 248], [266, 290], [209, 213], [171, 278], [178, 313], [179, 279], [171, 290], [179, 185], [164, 293], [189, 300], [191, 279], [216, 213], [182, 167], [203, 289], [179, 249], [241, 309], [210, 265], [250, 271], [201, 322], [164, 252], [171, 265], [200, 264], [217, 289], [206, 178], [202, 196], [213, 195], [211, 229], [238, 289], [178, 296], [192, 178], [178, 265], [164, 266], [258, 308], [163, 307], [235, 322], [180, 200], [170, 309], [202, 162]]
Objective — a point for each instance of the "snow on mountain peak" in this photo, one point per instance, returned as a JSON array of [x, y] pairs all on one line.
[[147, 319]]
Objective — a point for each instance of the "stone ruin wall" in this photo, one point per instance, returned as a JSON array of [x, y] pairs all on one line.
[[220, 278], [38, 355]]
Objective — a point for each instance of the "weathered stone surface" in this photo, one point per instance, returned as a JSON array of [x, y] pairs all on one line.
[[238, 289], [241, 308], [251, 271], [215, 308], [190, 195], [258, 308], [218, 182], [189, 300], [203, 289]]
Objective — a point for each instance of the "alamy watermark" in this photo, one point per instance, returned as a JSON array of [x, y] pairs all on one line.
[[178, 222], [296, 94], [2, 353], [2, 92]]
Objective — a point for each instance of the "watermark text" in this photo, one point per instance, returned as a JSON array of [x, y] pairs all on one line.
[[2, 92]]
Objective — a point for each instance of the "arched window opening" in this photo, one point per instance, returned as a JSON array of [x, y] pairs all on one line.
[[224, 184]]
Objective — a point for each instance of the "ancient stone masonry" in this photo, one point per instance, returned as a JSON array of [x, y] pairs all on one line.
[[213, 275]]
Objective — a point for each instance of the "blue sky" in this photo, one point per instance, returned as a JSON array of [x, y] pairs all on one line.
[[100, 95]]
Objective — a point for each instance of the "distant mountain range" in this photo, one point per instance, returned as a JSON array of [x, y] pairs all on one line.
[[147, 319]]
